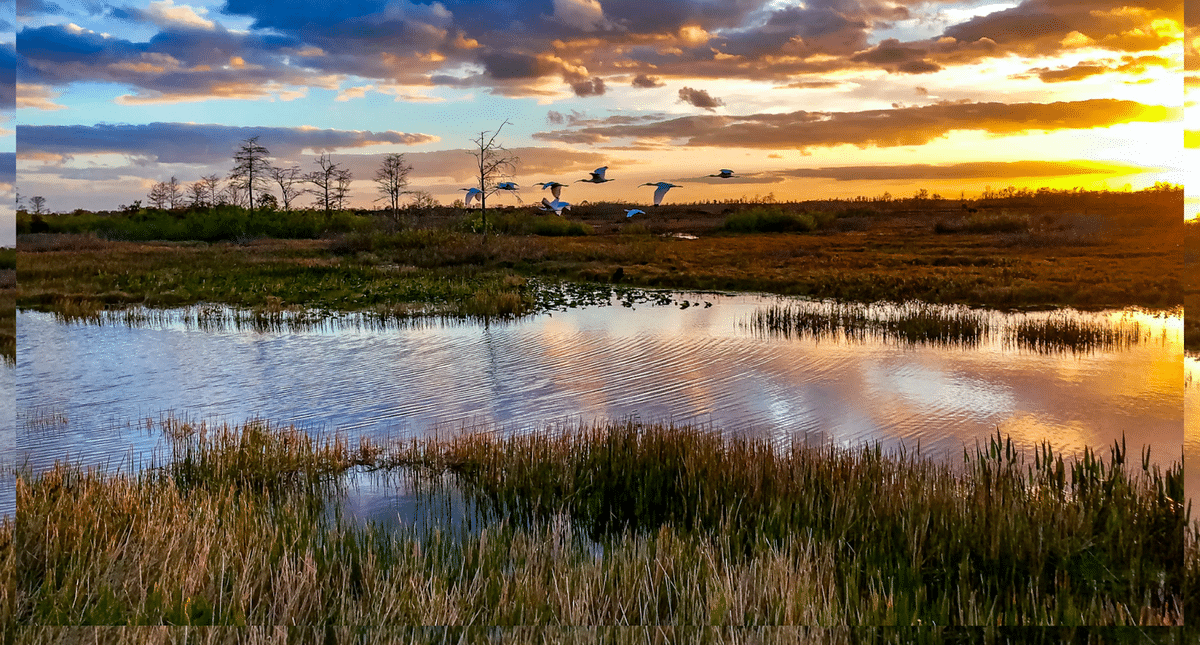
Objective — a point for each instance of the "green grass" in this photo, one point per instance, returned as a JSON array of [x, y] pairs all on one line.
[[1059, 333], [623, 524], [608, 635], [912, 322], [222, 223], [769, 219], [917, 322], [1004, 542], [8, 325], [1002, 222]]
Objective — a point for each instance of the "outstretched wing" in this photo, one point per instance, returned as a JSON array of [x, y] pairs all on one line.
[[658, 194]]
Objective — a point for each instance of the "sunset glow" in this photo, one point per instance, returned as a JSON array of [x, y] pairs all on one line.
[[804, 100]]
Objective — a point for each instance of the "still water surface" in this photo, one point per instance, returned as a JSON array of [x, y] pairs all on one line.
[[84, 390]]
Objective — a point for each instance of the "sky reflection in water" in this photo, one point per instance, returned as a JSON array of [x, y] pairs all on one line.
[[83, 390]]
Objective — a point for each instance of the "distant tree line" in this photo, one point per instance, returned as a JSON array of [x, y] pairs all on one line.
[[251, 182]]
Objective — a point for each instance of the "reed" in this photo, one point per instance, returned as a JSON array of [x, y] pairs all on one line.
[[608, 635], [911, 322], [1061, 332], [918, 322], [1052, 542], [621, 524], [8, 326]]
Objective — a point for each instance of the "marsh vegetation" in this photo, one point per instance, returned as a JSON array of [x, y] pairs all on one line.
[[918, 322], [617, 524], [1112, 255]]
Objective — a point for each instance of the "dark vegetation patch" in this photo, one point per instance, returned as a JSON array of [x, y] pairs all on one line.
[[686, 525], [1116, 250], [773, 219]]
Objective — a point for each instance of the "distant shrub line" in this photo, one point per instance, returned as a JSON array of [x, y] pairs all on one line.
[[773, 219]]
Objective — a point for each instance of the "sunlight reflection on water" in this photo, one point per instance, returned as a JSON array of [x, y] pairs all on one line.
[[83, 390]]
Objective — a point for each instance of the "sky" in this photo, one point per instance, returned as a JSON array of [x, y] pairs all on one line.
[[805, 99]]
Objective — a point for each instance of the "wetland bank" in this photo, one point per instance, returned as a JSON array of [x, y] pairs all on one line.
[[616, 521]]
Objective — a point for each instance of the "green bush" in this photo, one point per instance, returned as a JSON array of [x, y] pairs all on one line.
[[518, 222], [1002, 222], [204, 224], [763, 219]]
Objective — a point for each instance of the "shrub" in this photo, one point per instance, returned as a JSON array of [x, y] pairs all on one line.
[[517, 222], [773, 219], [1002, 222]]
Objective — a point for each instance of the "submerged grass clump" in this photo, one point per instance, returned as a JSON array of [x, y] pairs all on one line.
[[621, 524], [8, 325], [1060, 333], [918, 322], [911, 322]]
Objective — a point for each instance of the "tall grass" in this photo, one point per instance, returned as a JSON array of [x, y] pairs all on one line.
[[773, 219], [912, 322], [205, 224], [620, 524], [607, 635], [1002, 222], [1052, 542], [8, 326], [917, 322], [1063, 332]]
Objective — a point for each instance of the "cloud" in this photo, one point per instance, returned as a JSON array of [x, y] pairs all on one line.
[[520, 48], [966, 170], [8, 168], [37, 97], [33, 8], [809, 85], [167, 15], [641, 80], [699, 98], [1049, 27], [196, 143], [584, 15], [593, 87], [8, 77], [908, 126], [1126, 65]]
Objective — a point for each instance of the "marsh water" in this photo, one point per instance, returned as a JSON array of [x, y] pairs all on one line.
[[85, 391]]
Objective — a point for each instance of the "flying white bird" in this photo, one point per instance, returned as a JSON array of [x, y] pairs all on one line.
[[557, 206], [725, 174], [472, 193], [554, 186], [596, 178], [663, 187], [506, 185], [630, 212]]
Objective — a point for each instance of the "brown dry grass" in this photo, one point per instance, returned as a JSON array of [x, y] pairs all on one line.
[[1104, 256]]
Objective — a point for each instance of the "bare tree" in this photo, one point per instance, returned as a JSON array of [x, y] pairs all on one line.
[[198, 195], [38, 203], [332, 183], [174, 193], [250, 170], [234, 194], [392, 179], [212, 189], [289, 180], [159, 195], [495, 162], [342, 188]]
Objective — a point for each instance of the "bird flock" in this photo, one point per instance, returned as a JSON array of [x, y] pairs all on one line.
[[557, 205]]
